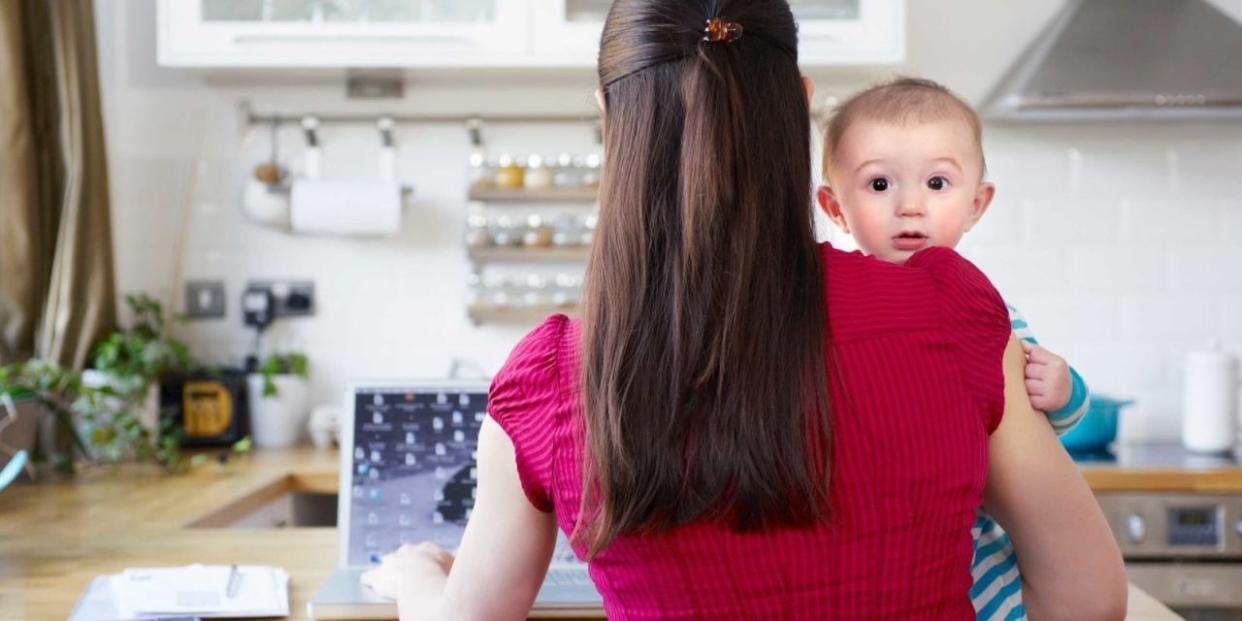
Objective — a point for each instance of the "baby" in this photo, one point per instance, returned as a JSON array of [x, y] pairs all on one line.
[[904, 168]]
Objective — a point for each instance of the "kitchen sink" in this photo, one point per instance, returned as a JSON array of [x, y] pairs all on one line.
[[284, 504]]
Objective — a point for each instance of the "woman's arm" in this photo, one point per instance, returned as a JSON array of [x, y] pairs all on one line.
[[502, 560], [1071, 567], [507, 545]]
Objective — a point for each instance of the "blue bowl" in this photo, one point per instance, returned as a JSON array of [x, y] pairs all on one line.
[[1098, 427]]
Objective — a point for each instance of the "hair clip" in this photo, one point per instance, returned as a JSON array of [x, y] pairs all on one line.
[[718, 30]]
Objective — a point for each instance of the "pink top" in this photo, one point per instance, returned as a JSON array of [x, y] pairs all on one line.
[[921, 387]]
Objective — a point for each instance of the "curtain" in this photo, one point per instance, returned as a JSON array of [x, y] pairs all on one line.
[[57, 290]]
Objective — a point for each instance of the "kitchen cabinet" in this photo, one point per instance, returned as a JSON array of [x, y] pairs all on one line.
[[341, 33], [831, 32], [468, 33]]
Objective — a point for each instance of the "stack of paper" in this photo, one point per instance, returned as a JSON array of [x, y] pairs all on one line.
[[206, 591]]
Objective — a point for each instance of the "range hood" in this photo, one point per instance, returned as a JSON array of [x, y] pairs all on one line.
[[1127, 59]]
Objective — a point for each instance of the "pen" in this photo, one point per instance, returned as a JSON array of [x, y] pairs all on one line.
[[231, 589]]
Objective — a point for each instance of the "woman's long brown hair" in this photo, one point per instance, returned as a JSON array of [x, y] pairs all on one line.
[[704, 321]]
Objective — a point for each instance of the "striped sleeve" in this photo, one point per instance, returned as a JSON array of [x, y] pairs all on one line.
[[996, 592], [523, 400], [1079, 402]]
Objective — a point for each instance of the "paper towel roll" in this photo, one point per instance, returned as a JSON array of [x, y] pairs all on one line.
[[346, 207]]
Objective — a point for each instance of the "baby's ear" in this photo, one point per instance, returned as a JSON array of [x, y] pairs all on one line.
[[831, 207], [982, 200]]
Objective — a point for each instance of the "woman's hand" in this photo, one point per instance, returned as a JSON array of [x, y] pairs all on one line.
[[414, 573]]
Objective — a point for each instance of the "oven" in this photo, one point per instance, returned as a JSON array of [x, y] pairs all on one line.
[[1184, 549]]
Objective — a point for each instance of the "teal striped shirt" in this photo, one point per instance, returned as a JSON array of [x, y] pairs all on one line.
[[997, 589]]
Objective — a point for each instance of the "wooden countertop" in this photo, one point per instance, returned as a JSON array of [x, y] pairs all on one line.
[[56, 536], [1108, 479]]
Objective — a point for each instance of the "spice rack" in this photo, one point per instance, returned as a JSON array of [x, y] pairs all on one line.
[[554, 195], [529, 228]]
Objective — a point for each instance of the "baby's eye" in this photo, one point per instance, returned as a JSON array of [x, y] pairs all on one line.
[[879, 184], [937, 182]]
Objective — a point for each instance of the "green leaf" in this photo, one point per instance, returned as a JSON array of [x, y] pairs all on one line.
[[271, 365], [299, 366], [242, 446]]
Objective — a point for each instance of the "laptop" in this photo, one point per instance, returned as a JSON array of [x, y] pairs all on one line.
[[407, 474]]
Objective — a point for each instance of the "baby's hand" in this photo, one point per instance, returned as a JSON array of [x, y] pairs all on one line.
[[1047, 378]]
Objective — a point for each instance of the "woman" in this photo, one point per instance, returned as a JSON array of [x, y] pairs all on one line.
[[746, 424]]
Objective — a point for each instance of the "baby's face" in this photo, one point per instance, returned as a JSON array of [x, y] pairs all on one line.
[[901, 188]]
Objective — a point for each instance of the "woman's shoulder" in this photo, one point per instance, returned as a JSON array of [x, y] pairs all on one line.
[[932, 270], [867, 295], [966, 296], [527, 400], [535, 362]]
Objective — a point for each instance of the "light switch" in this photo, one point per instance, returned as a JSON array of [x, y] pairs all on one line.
[[204, 299]]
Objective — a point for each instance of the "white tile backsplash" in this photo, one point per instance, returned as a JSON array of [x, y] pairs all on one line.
[[1182, 319], [1212, 269], [1184, 218], [1116, 269], [1121, 243], [1059, 220]]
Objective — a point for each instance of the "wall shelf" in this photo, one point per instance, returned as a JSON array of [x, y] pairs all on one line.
[[530, 315], [489, 254], [574, 195]]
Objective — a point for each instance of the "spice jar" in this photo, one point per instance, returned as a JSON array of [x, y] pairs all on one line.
[[505, 233], [588, 229], [568, 291], [477, 234], [509, 174], [566, 174], [590, 176], [538, 176], [566, 231], [538, 234], [536, 290], [482, 172]]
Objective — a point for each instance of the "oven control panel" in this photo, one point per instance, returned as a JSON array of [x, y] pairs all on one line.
[[1156, 525], [1195, 526]]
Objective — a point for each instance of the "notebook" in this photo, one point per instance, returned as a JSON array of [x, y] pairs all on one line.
[[204, 591]]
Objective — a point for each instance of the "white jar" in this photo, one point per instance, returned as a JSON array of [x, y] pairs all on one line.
[[1209, 401], [538, 176]]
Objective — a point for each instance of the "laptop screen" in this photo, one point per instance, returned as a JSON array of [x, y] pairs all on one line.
[[412, 467]]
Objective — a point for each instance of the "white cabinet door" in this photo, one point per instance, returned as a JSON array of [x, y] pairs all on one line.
[[831, 32], [850, 32], [567, 32], [343, 33]]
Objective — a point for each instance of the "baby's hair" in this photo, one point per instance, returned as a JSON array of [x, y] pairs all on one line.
[[902, 101]]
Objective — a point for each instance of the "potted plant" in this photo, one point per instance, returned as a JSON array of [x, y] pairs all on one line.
[[121, 406], [41, 393], [110, 412], [279, 400]]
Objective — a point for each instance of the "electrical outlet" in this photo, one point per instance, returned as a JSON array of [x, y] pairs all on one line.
[[204, 299], [290, 298]]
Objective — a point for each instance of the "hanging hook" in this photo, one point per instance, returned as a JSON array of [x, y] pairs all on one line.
[[310, 127], [388, 150], [475, 127], [386, 125]]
